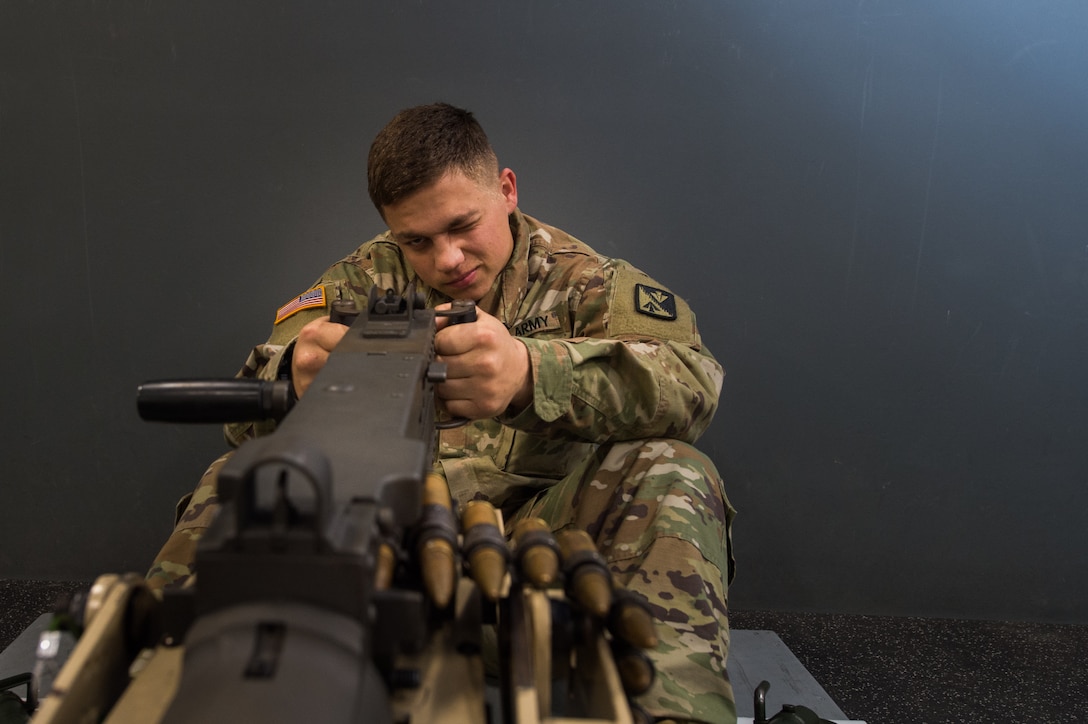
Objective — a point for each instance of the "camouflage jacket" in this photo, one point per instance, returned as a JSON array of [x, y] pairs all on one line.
[[615, 356]]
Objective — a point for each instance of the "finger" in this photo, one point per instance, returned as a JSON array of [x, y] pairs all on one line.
[[466, 397], [322, 334], [465, 409], [456, 340], [441, 322], [315, 341], [457, 387], [330, 334]]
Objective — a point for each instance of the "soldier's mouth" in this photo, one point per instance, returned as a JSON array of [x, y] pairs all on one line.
[[464, 281]]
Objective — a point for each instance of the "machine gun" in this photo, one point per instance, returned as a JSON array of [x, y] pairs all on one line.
[[328, 585]]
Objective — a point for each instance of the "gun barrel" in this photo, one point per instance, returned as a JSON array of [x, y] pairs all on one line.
[[213, 401]]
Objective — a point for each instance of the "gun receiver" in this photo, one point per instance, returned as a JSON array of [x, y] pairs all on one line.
[[288, 568]]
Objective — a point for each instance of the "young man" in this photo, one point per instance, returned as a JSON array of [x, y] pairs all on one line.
[[586, 380]]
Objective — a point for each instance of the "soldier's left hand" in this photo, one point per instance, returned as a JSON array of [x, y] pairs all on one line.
[[488, 369]]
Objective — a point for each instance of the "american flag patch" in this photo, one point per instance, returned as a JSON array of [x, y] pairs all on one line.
[[313, 298]]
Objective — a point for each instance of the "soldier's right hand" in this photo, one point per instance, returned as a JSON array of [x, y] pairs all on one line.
[[315, 341]]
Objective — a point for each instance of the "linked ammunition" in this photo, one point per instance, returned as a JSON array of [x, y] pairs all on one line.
[[387, 563], [485, 547], [635, 669], [630, 620], [536, 552], [436, 543], [588, 579]]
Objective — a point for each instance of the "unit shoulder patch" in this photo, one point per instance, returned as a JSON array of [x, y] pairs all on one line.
[[640, 307], [655, 302]]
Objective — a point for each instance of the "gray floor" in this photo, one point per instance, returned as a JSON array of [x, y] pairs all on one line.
[[756, 656], [903, 670], [18, 657], [883, 670]]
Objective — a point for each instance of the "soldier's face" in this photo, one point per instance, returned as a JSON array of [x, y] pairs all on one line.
[[455, 233]]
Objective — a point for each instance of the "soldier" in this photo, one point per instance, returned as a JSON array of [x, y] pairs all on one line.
[[586, 382]]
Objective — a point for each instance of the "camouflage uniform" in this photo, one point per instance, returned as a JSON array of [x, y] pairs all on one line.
[[622, 386]]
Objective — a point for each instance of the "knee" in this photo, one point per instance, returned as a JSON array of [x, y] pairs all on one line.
[[676, 491], [663, 467]]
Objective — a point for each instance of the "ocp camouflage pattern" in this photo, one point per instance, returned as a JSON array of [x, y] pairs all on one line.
[[621, 380]]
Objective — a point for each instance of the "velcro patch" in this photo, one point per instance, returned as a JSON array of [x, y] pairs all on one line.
[[309, 300], [655, 302], [641, 307]]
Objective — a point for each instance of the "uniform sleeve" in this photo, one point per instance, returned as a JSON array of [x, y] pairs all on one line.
[[271, 360], [639, 371]]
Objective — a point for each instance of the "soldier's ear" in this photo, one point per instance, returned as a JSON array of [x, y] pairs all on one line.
[[508, 187]]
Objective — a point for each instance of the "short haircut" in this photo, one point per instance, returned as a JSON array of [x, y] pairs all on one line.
[[422, 144]]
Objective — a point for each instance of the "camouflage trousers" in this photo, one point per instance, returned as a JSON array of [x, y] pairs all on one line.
[[174, 564], [658, 514]]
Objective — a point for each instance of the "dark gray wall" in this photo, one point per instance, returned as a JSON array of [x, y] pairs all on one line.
[[877, 209]]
